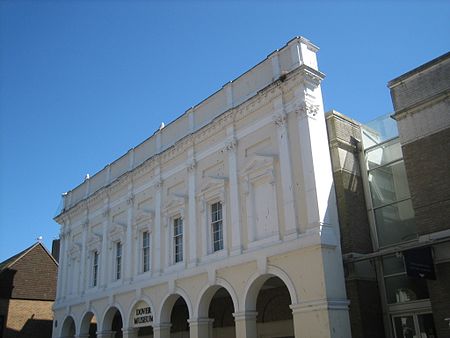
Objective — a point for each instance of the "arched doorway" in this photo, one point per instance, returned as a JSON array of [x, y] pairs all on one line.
[[217, 305], [176, 312], [68, 328], [113, 322], [270, 298], [88, 326]]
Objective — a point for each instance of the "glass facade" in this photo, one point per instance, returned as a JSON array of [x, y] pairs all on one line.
[[391, 200]]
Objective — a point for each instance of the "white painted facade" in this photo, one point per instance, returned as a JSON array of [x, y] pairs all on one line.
[[259, 148]]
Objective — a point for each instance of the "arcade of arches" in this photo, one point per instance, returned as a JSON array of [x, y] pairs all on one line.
[[268, 314]]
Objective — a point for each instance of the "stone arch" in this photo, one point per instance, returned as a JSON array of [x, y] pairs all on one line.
[[86, 321], [256, 281], [108, 316], [144, 299], [68, 329], [207, 293], [163, 315]]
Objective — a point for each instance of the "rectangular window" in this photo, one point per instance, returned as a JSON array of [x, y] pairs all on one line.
[[145, 251], [95, 269], [399, 287], [217, 226], [178, 239], [118, 260]]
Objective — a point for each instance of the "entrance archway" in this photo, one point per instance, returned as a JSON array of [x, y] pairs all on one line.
[[217, 305], [271, 299], [88, 326], [176, 311], [68, 328], [113, 322]]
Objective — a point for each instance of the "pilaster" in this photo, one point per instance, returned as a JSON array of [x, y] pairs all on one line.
[[231, 150], [130, 333], [281, 120], [104, 253], [161, 330], [129, 239], [246, 324], [200, 327], [158, 226], [191, 167]]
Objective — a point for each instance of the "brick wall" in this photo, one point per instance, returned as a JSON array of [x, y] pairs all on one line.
[[427, 163], [440, 299], [32, 277], [428, 80], [344, 134], [366, 318], [28, 319]]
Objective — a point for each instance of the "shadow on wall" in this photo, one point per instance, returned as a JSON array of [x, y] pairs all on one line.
[[33, 328], [7, 283]]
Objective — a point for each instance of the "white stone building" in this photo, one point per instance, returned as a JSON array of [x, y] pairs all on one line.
[[222, 224]]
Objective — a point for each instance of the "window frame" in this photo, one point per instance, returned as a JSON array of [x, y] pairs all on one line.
[[118, 260], [177, 239], [216, 222], [95, 268], [145, 251]]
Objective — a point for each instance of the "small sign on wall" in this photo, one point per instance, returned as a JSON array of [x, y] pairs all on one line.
[[142, 315], [419, 263]]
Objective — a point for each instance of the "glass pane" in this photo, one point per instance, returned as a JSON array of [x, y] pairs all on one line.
[[383, 154], [388, 184], [395, 223], [404, 327], [393, 265], [379, 130], [400, 289], [426, 326]]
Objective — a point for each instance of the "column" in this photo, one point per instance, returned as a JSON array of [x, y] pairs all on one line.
[[82, 336], [192, 260], [231, 148], [290, 220], [64, 262], [61, 265], [200, 327], [130, 333], [245, 324], [83, 258], [104, 253], [161, 330], [157, 229], [129, 239], [106, 334], [315, 156], [321, 318]]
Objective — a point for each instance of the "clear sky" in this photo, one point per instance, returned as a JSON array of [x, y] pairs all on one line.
[[81, 82]]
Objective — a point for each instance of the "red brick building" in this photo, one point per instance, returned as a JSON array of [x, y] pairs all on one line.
[[27, 292]]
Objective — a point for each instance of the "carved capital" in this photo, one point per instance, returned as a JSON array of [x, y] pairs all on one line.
[[230, 145], [159, 184], [280, 119], [306, 109], [130, 199], [106, 212], [191, 164]]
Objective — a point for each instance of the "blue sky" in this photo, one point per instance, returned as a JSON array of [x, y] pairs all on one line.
[[81, 82]]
